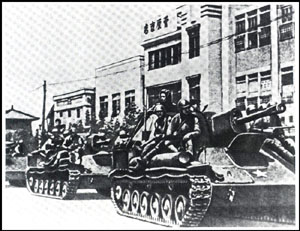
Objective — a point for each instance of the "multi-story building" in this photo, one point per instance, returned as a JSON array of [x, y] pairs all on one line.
[[118, 85], [74, 106], [178, 57], [258, 56], [226, 56]]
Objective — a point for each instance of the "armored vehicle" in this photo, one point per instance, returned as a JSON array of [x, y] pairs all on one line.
[[61, 180], [229, 176], [15, 165]]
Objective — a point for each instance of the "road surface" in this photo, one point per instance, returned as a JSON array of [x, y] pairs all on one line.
[[89, 210]]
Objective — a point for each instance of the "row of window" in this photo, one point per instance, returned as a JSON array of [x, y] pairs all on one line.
[[253, 28], [116, 100], [248, 85], [165, 56], [69, 113], [172, 54]]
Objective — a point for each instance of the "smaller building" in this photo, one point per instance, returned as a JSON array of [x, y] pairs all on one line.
[[74, 106], [18, 120], [119, 85]]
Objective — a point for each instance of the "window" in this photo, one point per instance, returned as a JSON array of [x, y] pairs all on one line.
[[291, 119], [287, 13], [253, 83], [265, 99], [287, 81], [240, 103], [287, 31], [240, 27], [166, 56], [252, 101], [153, 93], [115, 104], [264, 15], [265, 82], [287, 76], [194, 41], [69, 113], [61, 114], [241, 85], [282, 119], [194, 87], [252, 40], [103, 106], [151, 60], [129, 97], [252, 20], [265, 36], [78, 112], [240, 43]]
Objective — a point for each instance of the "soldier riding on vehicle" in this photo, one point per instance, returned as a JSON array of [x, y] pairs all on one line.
[[183, 129], [155, 141]]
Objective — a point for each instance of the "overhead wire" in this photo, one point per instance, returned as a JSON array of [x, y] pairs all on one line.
[[228, 37]]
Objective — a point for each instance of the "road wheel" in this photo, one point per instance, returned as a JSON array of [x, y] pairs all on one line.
[[64, 189], [126, 200], [58, 188], [144, 203], [180, 209], [167, 207], [52, 188], [118, 192], [46, 187], [31, 182], [36, 186], [155, 204], [135, 201], [41, 186]]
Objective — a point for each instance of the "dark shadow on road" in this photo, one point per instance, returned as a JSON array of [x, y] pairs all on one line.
[[91, 196]]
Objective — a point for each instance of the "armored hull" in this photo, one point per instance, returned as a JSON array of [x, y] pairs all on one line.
[[63, 182], [166, 196], [231, 176]]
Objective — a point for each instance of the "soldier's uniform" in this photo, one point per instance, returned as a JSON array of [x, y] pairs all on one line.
[[184, 128]]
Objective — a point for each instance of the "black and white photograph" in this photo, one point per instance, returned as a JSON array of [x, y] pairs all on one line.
[[161, 115]]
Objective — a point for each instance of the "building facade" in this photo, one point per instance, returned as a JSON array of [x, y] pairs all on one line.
[[74, 106], [119, 85], [18, 120], [177, 57], [258, 60], [225, 56]]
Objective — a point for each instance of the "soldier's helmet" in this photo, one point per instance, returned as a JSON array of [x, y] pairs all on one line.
[[250, 109], [159, 107], [183, 104]]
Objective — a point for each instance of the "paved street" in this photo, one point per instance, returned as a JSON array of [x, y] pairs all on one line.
[[89, 210]]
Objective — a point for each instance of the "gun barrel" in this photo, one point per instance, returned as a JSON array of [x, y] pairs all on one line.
[[276, 109]]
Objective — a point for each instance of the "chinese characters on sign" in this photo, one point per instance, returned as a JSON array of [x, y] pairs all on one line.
[[156, 25]]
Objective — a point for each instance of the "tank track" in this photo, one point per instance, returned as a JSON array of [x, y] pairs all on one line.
[[59, 184], [165, 207]]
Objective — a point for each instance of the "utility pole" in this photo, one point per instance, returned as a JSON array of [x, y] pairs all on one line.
[[44, 107]]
